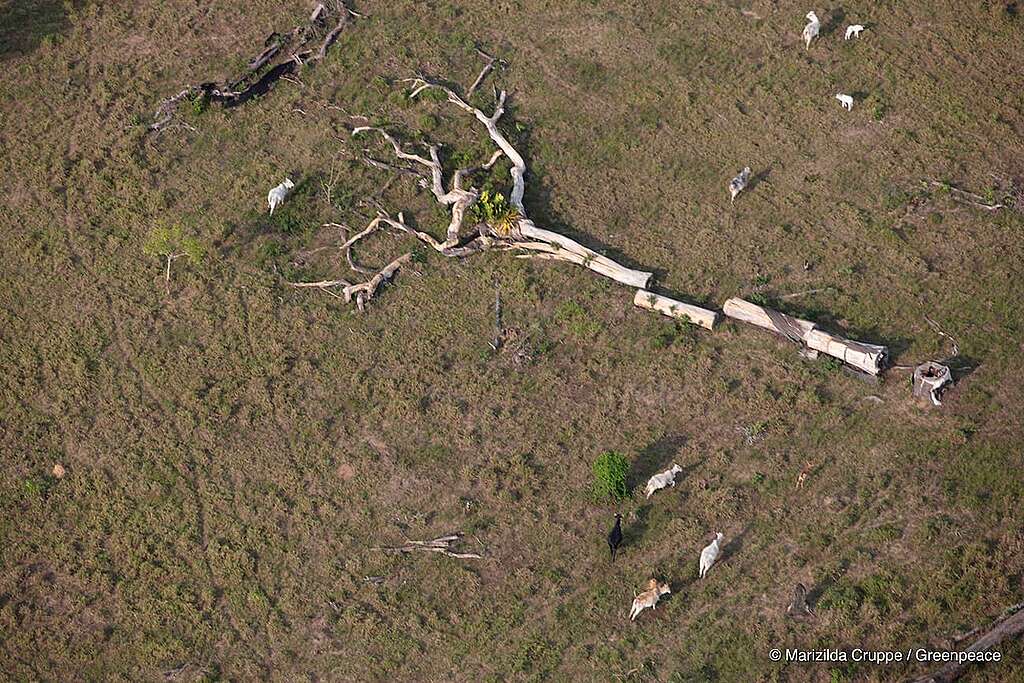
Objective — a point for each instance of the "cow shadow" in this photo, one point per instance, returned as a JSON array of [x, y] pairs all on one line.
[[734, 545], [656, 457], [835, 20]]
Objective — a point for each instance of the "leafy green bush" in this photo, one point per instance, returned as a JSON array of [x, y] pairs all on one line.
[[610, 470], [198, 103], [170, 242]]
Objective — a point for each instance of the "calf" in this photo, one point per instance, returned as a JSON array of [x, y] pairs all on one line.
[[648, 598], [853, 31], [710, 554], [739, 183], [278, 194], [615, 536]]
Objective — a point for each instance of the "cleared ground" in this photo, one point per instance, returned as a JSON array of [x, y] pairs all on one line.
[[235, 448]]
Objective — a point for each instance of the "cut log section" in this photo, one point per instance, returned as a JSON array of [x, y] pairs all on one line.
[[869, 358], [675, 309]]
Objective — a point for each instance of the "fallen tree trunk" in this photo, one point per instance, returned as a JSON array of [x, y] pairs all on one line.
[[869, 358], [441, 544], [1000, 631], [551, 245], [254, 82], [788, 326], [675, 309]]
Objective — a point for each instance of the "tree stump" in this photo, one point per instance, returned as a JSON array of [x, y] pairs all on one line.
[[930, 380]]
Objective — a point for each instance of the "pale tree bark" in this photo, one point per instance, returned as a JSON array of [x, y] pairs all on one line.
[[675, 309], [525, 235], [456, 193], [869, 358]]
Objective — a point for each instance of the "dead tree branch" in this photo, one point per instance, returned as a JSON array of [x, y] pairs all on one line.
[[441, 544], [935, 326], [963, 195], [454, 191], [309, 42], [1001, 629], [523, 233], [488, 67]]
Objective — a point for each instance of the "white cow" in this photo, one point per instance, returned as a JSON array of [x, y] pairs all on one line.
[[846, 101], [812, 29], [661, 480], [710, 554], [279, 193], [853, 31]]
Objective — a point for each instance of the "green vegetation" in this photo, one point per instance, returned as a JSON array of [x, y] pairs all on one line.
[[610, 472], [492, 208], [170, 243], [169, 240]]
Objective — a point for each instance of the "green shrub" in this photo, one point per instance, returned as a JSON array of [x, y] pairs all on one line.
[[610, 470], [169, 242], [198, 103]]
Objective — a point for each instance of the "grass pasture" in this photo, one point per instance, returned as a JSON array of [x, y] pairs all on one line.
[[235, 448]]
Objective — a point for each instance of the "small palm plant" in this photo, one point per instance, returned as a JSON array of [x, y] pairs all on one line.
[[493, 209]]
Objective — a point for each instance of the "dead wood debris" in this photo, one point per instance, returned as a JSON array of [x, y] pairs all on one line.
[[441, 544], [488, 67], [1009, 624], [511, 231], [964, 196], [305, 44]]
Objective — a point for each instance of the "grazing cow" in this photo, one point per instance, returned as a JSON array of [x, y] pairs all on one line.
[[648, 598], [662, 479], [812, 29], [853, 31], [739, 183], [615, 536], [278, 194], [710, 554], [846, 101]]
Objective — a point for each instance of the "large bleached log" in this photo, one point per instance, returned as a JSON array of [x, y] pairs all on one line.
[[869, 358], [788, 326], [675, 309], [1003, 628]]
